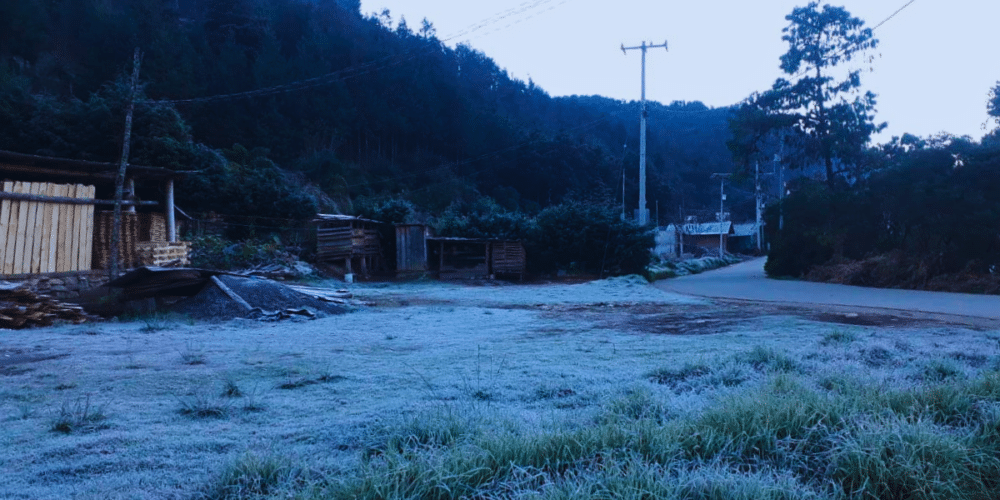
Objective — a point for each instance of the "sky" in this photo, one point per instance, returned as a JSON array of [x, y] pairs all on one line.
[[932, 70]]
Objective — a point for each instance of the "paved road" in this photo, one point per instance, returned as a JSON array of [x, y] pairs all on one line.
[[746, 281]]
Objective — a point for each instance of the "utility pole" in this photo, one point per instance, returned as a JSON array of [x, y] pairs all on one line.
[[722, 211], [781, 192], [643, 211], [624, 149], [680, 230], [760, 205], [756, 181], [116, 230]]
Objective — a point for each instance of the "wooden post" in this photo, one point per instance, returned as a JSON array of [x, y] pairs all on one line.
[[130, 184], [116, 231], [171, 223]]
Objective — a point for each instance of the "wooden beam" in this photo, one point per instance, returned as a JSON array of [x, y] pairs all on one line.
[[130, 202], [33, 246], [58, 214], [45, 231], [87, 245], [64, 241], [71, 201], [77, 229], [5, 211], [22, 224]]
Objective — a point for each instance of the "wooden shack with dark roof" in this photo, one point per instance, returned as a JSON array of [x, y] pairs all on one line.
[[475, 258], [55, 215], [353, 241]]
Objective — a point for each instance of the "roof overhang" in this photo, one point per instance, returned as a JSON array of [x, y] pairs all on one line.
[[32, 165]]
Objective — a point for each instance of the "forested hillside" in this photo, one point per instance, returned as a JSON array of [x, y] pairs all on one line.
[[268, 97]]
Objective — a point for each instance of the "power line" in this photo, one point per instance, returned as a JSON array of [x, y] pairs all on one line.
[[801, 73], [388, 61], [879, 25]]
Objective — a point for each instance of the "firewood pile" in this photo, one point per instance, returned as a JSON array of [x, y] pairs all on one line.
[[22, 308]]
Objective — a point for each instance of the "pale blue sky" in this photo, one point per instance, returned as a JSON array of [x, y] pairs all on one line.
[[932, 71]]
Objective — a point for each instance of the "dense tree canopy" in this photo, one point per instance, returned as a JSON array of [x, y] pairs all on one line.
[[360, 106]]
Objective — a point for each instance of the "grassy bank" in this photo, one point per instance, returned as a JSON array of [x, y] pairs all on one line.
[[789, 436]]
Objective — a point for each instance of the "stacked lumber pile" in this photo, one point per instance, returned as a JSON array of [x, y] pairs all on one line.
[[22, 308]]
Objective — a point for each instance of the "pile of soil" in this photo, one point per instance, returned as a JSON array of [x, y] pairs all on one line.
[[211, 303]]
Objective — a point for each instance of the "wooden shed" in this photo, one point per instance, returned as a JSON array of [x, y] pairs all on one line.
[[349, 239], [52, 217], [475, 258], [411, 247]]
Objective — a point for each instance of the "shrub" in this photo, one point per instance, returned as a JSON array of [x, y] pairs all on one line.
[[200, 405], [590, 238], [767, 359], [838, 337], [213, 252], [251, 476], [79, 416], [678, 377]]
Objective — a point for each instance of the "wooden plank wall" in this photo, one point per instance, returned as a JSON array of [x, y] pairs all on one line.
[[334, 243], [127, 256], [43, 237]]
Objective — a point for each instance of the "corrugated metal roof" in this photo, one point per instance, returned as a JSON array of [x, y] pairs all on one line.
[[706, 228], [745, 229], [341, 217], [470, 240]]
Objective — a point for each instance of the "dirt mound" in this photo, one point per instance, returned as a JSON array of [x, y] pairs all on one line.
[[213, 303]]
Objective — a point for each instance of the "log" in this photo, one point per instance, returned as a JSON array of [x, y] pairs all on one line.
[[232, 295], [22, 308]]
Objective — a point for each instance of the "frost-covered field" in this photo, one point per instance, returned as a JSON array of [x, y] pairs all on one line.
[[373, 402]]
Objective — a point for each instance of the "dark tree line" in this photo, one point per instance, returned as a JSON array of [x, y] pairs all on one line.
[[386, 109], [915, 212]]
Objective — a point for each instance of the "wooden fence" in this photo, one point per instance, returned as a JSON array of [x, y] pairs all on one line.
[[45, 237]]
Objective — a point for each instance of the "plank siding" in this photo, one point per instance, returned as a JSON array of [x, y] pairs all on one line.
[[20, 236], [45, 237], [64, 239], [86, 241], [6, 227]]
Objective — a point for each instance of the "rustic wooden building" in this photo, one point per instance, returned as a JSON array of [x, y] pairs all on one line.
[[53, 218], [411, 248], [452, 258], [350, 240]]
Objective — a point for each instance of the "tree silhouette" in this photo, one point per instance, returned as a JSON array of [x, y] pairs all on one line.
[[832, 117]]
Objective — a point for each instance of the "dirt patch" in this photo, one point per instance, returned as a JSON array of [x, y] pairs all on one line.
[[671, 319], [388, 301], [688, 322], [12, 361], [860, 319], [659, 319]]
